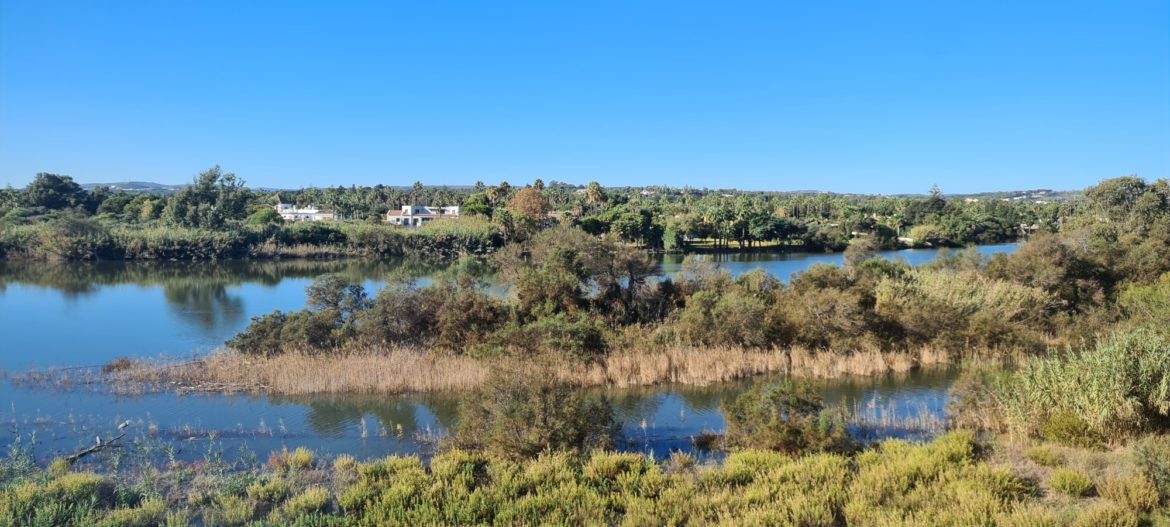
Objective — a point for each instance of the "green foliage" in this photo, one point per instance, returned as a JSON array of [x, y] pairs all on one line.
[[786, 416], [1106, 515], [273, 490], [1132, 492], [1069, 429], [149, 513], [213, 200], [1070, 482], [520, 414], [52, 191], [943, 482], [1116, 389], [960, 306], [1152, 454], [1044, 456], [898, 482], [265, 216]]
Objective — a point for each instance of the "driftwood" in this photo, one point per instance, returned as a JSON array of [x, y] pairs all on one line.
[[221, 387], [94, 449]]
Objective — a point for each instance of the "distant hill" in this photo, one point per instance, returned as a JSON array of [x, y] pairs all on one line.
[[1021, 195], [136, 187], [147, 187]]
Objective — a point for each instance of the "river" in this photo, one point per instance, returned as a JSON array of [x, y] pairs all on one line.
[[72, 314]]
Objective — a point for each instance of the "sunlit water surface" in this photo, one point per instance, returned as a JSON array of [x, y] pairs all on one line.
[[86, 314]]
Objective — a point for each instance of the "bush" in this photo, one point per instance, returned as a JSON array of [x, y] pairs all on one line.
[[519, 414], [786, 416], [1132, 492], [313, 500], [1069, 429], [271, 491], [1152, 454], [229, 511], [301, 458], [1070, 482], [149, 513], [1106, 515], [1044, 456]]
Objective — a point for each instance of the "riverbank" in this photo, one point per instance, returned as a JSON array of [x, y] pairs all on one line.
[[90, 239], [953, 480], [395, 371]]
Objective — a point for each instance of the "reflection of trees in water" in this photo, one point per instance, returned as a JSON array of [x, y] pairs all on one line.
[[445, 408], [634, 405], [707, 399], [72, 278], [332, 415], [198, 292], [205, 304]]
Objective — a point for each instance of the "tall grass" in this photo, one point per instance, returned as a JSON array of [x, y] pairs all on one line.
[[1113, 390], [402, 370]]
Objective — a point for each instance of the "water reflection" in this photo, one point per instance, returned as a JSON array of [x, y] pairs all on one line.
[[78, 279], [333, 416], [86, 313]]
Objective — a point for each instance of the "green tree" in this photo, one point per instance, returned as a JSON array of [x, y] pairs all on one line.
[[54, 192], [786, 416], [521, 414], [212, 201], [265, 216]]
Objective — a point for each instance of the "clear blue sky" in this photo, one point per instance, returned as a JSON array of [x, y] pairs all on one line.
[[844, 96]]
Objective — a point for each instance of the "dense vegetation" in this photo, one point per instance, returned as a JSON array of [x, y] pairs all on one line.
[[953, 480], [580, 296], [1076, 433], [218, 217]]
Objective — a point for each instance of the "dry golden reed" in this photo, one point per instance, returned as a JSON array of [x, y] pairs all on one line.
[[405, 370]]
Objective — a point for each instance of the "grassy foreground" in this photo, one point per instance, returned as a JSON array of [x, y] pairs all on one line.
[[955, 480]]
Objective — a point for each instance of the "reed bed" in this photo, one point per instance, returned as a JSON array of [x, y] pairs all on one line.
[[408, 370], [390, 371]]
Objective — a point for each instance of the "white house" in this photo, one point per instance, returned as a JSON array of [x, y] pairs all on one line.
[[416, 215], [290, 212]]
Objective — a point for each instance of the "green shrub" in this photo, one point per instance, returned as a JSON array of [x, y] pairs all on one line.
[[301, 458], [310, 501], [1069, 429], [149, 513], [1070, 482], [1044, 456], [520, 414], [786, 416], [1152, 454], [229, 511], [1132, 492], [272, 491], [1106, 514]]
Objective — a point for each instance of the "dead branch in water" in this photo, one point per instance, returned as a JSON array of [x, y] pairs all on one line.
[[94, 449], [221, 387]]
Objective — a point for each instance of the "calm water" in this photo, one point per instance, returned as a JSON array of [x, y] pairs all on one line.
[[84, 314]]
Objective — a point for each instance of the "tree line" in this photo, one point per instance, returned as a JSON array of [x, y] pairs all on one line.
[[654, 218]]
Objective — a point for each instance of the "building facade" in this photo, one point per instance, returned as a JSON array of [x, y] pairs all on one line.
[[418, 215], [290, 212]]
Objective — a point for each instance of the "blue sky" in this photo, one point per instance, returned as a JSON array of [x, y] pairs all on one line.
[[882, 97]]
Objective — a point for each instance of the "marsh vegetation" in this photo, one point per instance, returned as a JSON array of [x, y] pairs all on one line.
[[1074, 433]]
